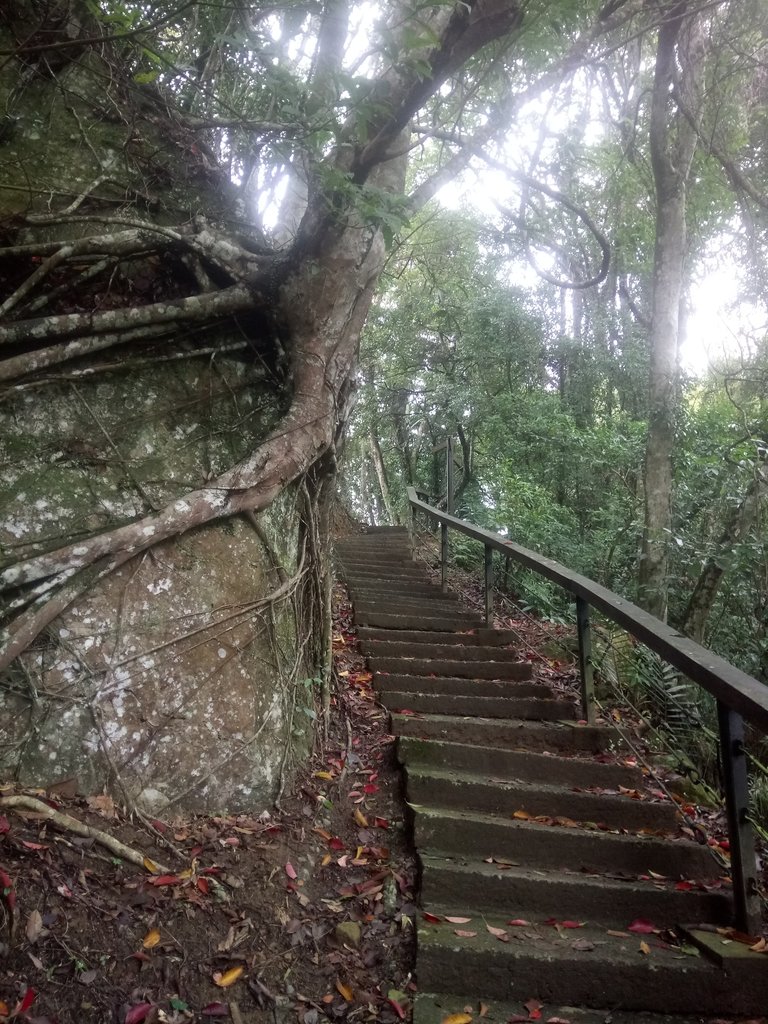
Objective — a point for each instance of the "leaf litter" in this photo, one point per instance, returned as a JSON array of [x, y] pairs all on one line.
[[246, 919]]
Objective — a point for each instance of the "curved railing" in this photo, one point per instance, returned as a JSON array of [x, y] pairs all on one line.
[[739, 696]]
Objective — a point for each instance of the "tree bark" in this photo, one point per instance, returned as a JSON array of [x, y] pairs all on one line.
[[673, 143], [381, 474]]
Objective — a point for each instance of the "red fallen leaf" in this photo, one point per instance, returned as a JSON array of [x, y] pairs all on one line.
[[215, 870], [518, 922], [138, 1013], [4, 825], [724, 844], [215, 1010], [370, 788], [195, 851], [165, 880], [642, 927], [533, 1006], [397, 1008], [336, 844], [145, 958], [204, 886], [684, 886], [26, 1001], [431, 918], [33, 846], [290, 870], [571, 924], [464, 935], [405, 711], [381, 823]]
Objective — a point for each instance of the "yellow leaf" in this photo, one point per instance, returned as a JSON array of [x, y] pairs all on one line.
[[323, 775], [360, 818], [151, 867], [344, 674], [457, 1018], [228, 977], [522, 816], [326, 860], [185, 874], [151, 939], [645, 949], [345, 991], [359, 853]]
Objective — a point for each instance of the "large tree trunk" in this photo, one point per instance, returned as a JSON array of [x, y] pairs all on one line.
[[673, 143]]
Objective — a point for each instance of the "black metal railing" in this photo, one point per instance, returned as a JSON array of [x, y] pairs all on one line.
[[739, 696]]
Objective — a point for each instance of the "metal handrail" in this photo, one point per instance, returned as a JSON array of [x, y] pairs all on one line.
[[739, 696]]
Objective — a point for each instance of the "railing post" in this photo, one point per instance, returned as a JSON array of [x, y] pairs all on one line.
[[443, 555], [586, 668], [488, 567], [746, 899], [449, 505]]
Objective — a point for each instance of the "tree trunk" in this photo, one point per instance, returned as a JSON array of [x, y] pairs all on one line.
[[737, 526], [673, 143], [381, 474]]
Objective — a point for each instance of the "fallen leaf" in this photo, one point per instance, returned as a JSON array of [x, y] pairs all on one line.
[[642, 927], [345, 991], [459, 920], [760, 946], [431, 918], [518, 922], [483, 1009], [457, 1018], [34, 926], [151, 939], [618, 935], [228, 977], [328, 776], [463, 934], [645, 949], [498, 932], [360, 818], [103, 804], [290, 870], [533, 1006], [138, 1013], [522, 815]]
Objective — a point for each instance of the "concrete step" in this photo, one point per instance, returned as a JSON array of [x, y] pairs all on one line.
[[405, 592], [489, 707], [385, 572], [460, 686], [484, 637], [445, 667], [474, 835], [434, 1007], [401, 649], [439, 788], [350, 564], [569, 737], [516, 764], [377, 587], [527, 892], [615, 973], [424, 620]]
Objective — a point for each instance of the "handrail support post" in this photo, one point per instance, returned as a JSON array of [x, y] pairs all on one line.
[[586, 668], [488, 579], [746, 900], [444, 555]]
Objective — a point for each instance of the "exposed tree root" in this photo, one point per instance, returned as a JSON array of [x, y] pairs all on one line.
[[70, 824]]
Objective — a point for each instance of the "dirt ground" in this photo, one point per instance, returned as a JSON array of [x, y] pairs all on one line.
[[303, 915]]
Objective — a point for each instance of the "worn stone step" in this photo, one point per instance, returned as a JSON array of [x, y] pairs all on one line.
[[523, 735], [377, 587], [423, 620], [470, 638], [471, 834], [445, 667], [401, 649], [459, 685], [516, 764], [491, 707], [405, 592], [368, 573], [440, 788], [615, 974], [526, 892], [384, 562], [434, 1007]]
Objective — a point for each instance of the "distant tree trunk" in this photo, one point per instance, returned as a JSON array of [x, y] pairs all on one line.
[[381, 474], [673, 143], [737, 526]]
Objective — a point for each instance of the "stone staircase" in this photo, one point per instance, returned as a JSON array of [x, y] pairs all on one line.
[[556, 911]]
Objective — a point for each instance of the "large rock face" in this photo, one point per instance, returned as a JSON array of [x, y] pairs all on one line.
[[172, 680]]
